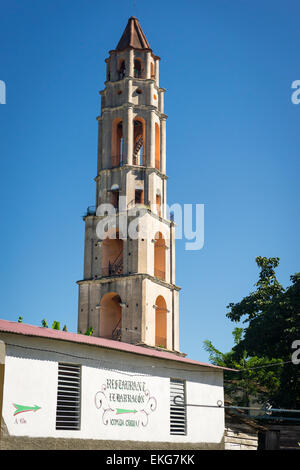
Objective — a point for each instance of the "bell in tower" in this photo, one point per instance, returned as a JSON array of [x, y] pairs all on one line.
[[128, 292]]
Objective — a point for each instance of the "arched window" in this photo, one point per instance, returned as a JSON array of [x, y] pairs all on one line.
[[108, 71], [152, 71], [160, 322], [115, 194], [139, 142], [157, 146], [138, 68], [112, 256], [160, 256], [117, 142], [158, 204], [139, 196], [111, 316], [121, 70]]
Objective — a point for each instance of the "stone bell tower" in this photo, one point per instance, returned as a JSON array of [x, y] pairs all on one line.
[[128, 292]]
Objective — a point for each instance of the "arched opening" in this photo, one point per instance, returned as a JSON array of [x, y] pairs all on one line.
[[157, 146], [160, 322], [138, 68], [111, 316], [108, 71], [112, 256], [139, 157], [121, 69], [115, 193], [160, 256], [152, 71], [139, 196], [158, 204], [117, 142]]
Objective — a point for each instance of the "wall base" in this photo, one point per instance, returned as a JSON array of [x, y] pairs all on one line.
[[27, 443]]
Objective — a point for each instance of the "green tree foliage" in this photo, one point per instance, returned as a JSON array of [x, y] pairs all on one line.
[[272, 317], [89, 331], [268, 290], [56, 325], [250, 377]]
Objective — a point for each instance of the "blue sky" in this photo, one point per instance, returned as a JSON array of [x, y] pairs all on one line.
[[232, 145]]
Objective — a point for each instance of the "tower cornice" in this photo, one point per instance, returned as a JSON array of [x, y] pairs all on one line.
[[167, 222], [109, 279], [115, 51], [127, 79], [149, 170], [141, 107]]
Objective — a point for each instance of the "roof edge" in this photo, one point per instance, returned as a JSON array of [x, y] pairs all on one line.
[[10, 327]]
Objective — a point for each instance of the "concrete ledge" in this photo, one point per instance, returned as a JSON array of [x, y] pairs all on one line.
[[109, 279], [27, 443]]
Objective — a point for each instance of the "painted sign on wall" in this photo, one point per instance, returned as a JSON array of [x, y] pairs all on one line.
[[125, 403], [23, 409]]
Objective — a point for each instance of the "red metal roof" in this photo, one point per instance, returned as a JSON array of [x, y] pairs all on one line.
[[133, 36], [41, 332]]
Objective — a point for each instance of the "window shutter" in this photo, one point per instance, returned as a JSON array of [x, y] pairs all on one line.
[[68, 397], [178, 410]]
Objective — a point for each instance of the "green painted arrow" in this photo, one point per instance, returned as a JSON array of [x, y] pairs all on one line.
[[23, 408], [120, 411]]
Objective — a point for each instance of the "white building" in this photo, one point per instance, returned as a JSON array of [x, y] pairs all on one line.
[[67, 385]]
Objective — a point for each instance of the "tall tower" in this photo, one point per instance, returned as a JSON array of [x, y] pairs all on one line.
[[128, 292]]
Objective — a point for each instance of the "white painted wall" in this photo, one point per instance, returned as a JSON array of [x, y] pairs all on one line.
[[31, 379]]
